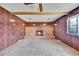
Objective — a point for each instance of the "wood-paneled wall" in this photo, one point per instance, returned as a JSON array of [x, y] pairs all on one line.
[[10, 32], [61, 30]]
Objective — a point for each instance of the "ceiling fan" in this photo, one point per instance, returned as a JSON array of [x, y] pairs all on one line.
[[41, 9], [40, 6]]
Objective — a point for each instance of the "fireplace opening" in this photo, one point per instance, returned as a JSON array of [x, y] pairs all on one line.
[[39, 33]]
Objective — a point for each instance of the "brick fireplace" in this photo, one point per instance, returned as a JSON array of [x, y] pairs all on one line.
[[39, 32]]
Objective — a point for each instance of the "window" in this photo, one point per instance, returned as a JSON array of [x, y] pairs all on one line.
[[73, 25]]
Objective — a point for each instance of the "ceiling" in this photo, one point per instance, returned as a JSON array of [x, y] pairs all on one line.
[[47, 7]]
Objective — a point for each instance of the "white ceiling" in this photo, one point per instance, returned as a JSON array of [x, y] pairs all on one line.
[[48, 7], [39, 18]]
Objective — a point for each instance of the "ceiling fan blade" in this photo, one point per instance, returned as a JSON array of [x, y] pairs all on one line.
[[40, 7], [28, 3]]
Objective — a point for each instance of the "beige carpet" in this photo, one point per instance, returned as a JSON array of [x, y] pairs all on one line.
[[39, 46]]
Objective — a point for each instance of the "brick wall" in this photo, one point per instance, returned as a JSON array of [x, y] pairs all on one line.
[[10, 32], [61, 30], [31, 30]]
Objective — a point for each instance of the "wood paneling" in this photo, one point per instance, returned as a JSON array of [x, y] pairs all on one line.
[[39, 13]]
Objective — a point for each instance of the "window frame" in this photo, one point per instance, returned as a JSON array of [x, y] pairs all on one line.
[[77, 25]]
